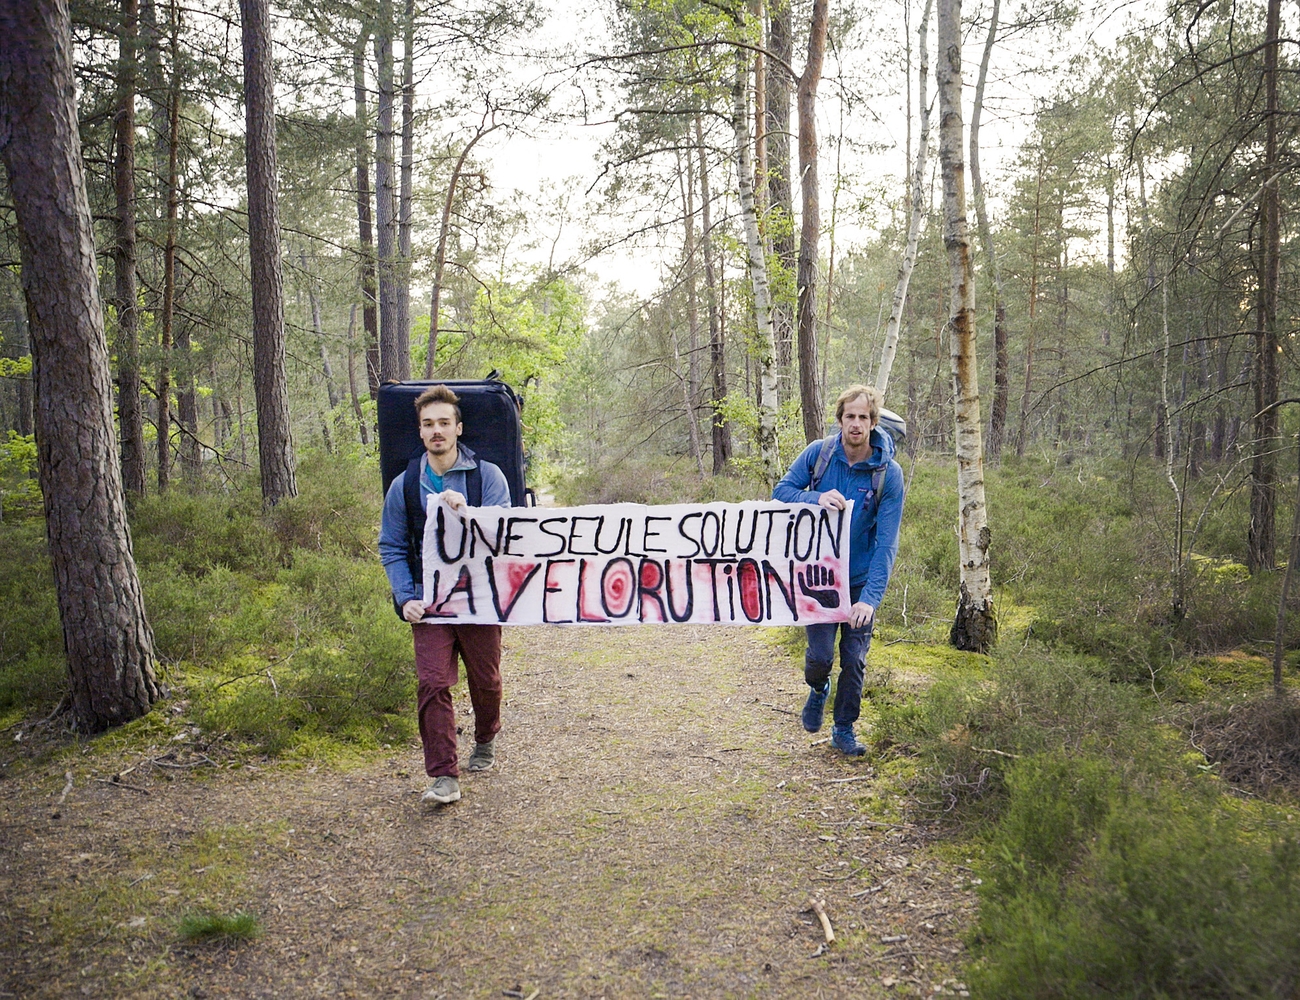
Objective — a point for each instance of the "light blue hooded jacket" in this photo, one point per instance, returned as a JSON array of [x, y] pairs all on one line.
[[873, 533]]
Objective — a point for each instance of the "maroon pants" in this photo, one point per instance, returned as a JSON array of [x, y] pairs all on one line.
[[436, 647]]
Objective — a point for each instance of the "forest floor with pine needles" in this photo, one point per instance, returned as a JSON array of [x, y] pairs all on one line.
[[656, 826]]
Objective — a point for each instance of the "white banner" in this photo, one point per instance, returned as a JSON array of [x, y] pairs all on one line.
[[760, 563]]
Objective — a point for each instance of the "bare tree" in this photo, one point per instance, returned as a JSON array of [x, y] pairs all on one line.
[[779, 84], [1262, 536], [274, 433], [106, 635], [721, 437], [917, 205], [1001, 361], [974, 627], [402, 276], [764, 343], [810, 222]]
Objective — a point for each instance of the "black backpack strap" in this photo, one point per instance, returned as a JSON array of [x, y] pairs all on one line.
[[415, 518], [823, 459]]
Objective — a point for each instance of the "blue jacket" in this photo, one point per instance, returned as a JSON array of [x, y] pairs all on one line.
[[392, 527], [873, 541]]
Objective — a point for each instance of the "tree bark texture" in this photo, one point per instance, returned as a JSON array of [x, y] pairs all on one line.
[[130, 413], [918, 209], [369, 316], [1261, 549], [1001, 361], [974, 628], [274, 432], [107, 637], [394, 353], [765, 348], [780, 190], [717, 345], [810, 397]]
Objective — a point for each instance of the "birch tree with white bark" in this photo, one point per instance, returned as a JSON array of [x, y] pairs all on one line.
[[974, 628]]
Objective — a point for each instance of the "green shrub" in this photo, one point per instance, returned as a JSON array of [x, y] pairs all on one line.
[[33, 670], [965, 732], [1098, 888]]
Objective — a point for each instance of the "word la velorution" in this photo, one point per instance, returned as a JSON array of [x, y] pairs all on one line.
[[759, 563]]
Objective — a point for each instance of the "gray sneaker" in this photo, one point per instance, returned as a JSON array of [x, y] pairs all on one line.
[[483, 757], [443, 790]]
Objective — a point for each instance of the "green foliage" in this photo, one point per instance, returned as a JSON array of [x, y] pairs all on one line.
[[965, 731], [20, 493], [32, 666], [1099, 888], [653, 481], [277, 624], [238, 926]]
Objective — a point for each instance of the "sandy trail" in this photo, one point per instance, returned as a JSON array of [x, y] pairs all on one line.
[[655, 826]]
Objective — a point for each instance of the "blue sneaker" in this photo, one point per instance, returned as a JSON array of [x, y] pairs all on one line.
[[843, 738], [814, 706]]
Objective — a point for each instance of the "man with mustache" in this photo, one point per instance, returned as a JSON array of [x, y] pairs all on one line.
[[857, 463], [447, 472]]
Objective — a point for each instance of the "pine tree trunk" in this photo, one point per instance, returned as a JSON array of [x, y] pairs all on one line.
[[1001, 362], [810, 223], [164, 387], [352, 377], [1261, 536], [917, 204], [764, 347], [318, 328], [107, 638], [130, 414], [403, 269], [370, 320], [274, 431], [394, 353], [1023, 432], [974, 628], [780, 190], [692, 315], [717, 345]]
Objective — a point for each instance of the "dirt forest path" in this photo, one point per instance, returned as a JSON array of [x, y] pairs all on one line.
[[655, 826]]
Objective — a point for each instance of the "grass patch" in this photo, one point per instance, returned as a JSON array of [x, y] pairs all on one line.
[[219, 927]]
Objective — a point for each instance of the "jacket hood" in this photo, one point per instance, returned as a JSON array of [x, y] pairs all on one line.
[[882, 447]]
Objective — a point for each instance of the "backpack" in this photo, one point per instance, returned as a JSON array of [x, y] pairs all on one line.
[[894, 425], [493, 430]]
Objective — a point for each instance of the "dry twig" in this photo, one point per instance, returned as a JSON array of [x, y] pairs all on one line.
[[820, 910]]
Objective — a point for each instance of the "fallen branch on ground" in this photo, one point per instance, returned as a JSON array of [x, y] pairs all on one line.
[[820, 910]]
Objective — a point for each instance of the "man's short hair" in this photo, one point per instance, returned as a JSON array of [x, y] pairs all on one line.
[[438, 394], [874, 400]]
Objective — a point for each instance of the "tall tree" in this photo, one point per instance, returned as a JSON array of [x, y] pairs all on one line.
[[780, 85], [1001, 360], [765, 348], [366, 248], [274, 431], [916, 209], [106, 635], [810, 396], [164, 386], [1261, 536], [130, 413], [974, 627], [404, 208], [721, 437], [394, 352]]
